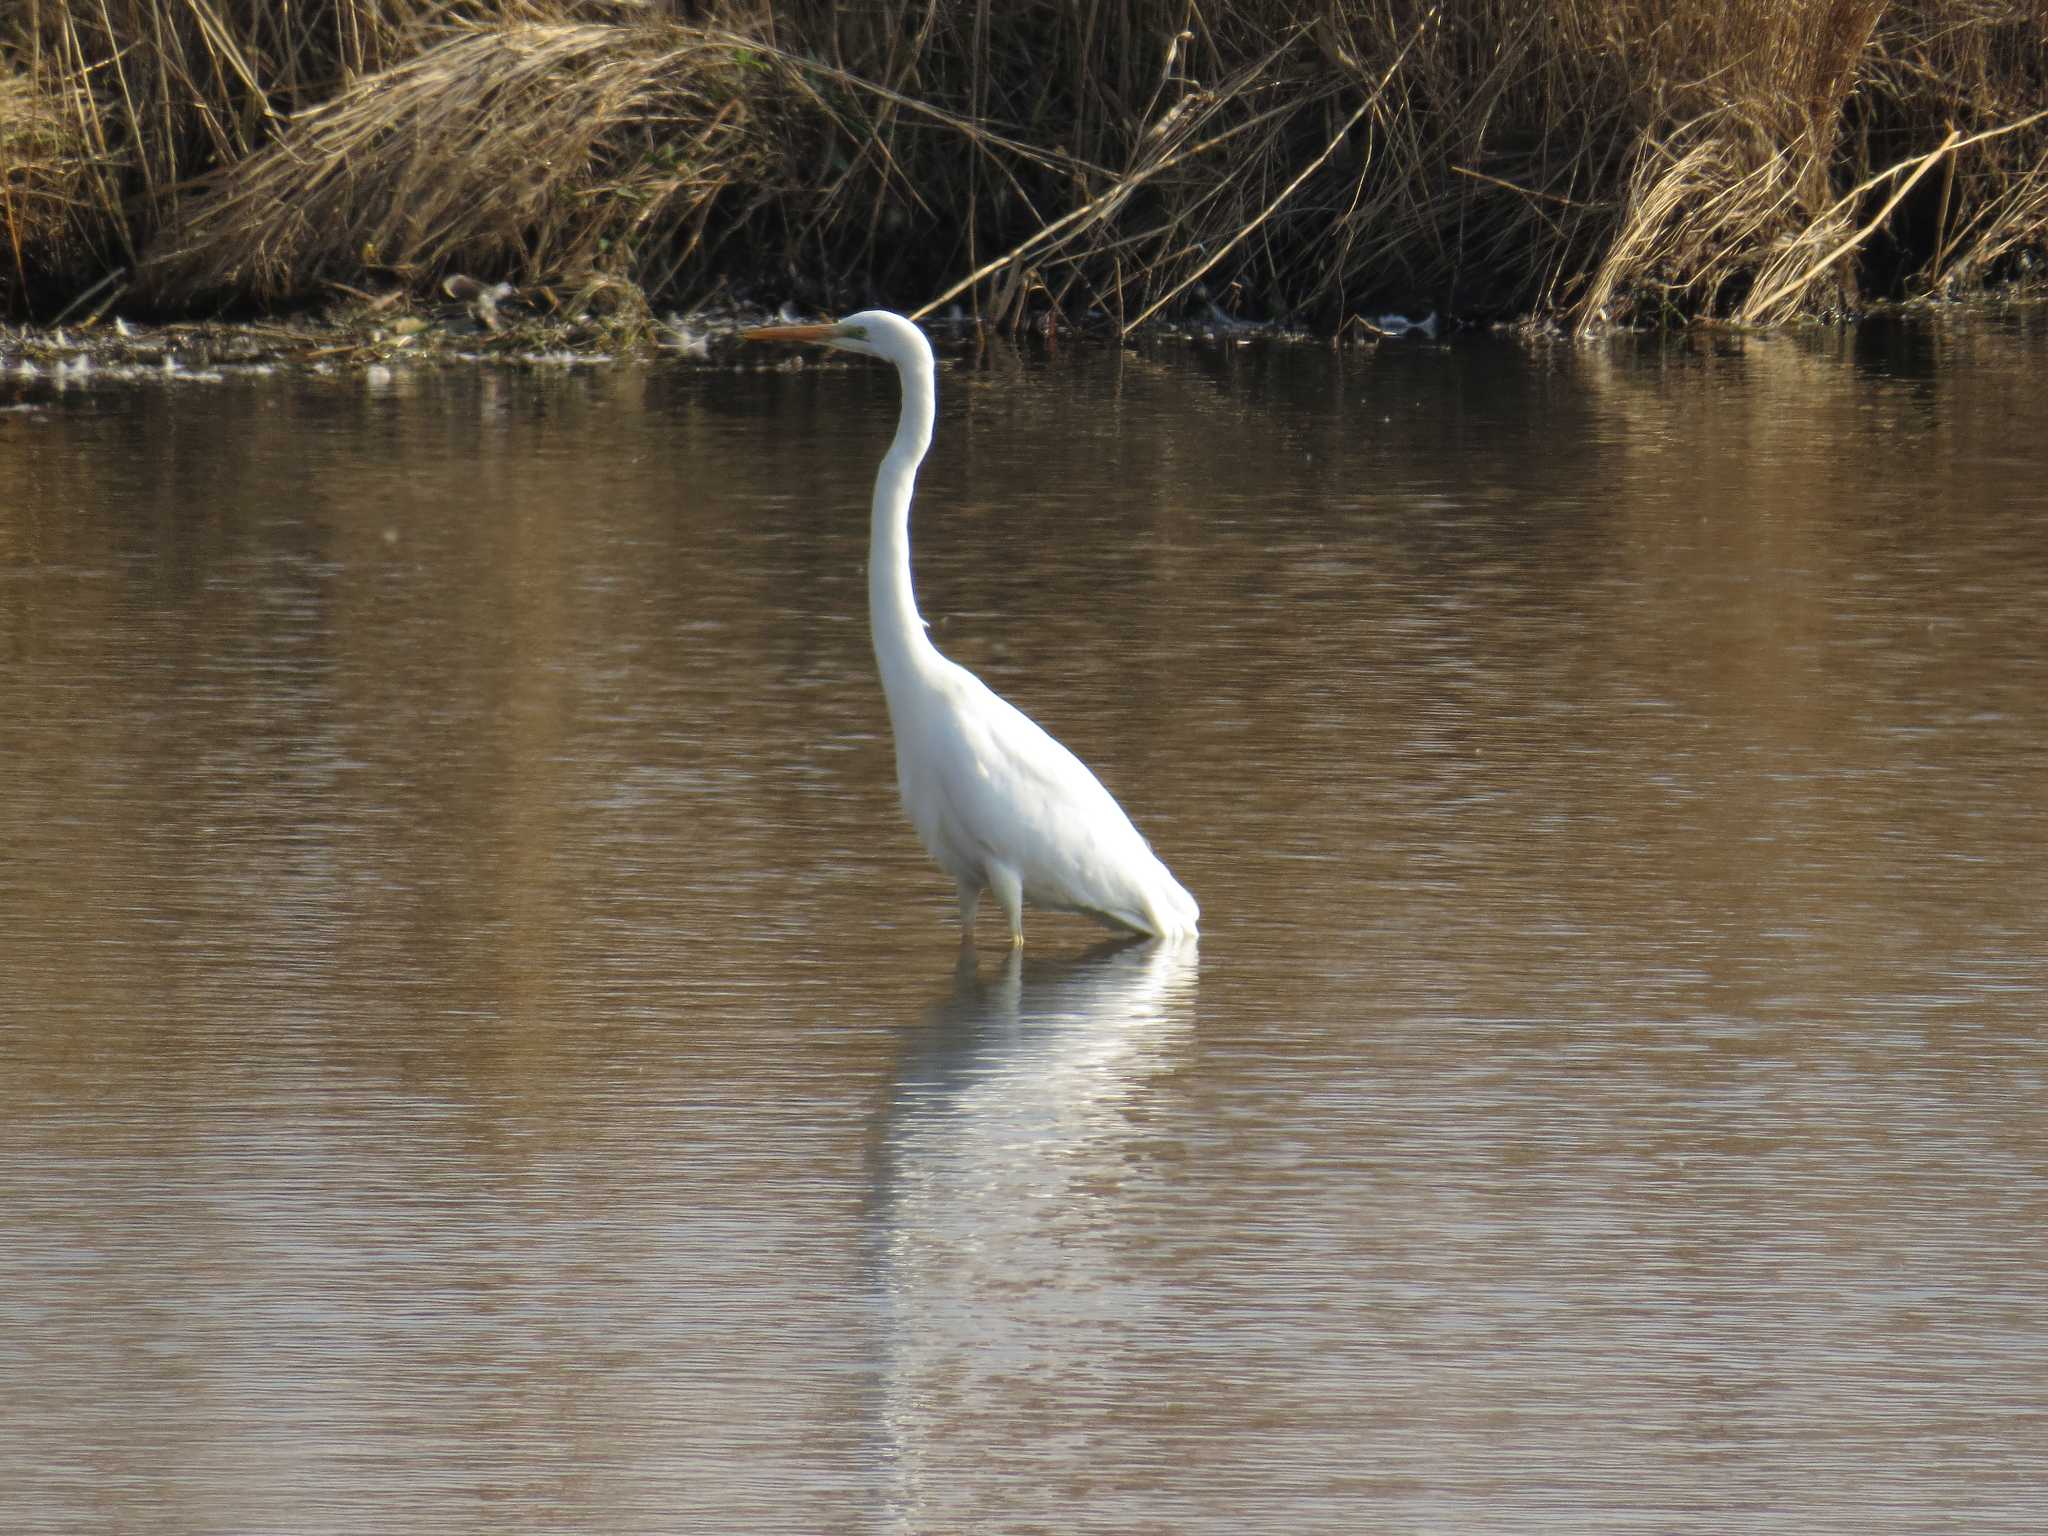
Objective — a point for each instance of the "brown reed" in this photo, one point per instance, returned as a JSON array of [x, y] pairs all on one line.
[[1586, 161]]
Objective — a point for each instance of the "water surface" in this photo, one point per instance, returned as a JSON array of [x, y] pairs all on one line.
[[479, 1048]]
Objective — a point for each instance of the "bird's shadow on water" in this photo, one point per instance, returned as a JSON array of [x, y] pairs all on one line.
[[1018, 1146], [1023, 1037]]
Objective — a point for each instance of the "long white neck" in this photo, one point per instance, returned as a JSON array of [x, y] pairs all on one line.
[[901, 646]]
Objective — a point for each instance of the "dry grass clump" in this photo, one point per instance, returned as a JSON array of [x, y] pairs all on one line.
[[562, 150], [148, 95], [1592, 160], [1983, 71], [1728, 186], [42, 176]]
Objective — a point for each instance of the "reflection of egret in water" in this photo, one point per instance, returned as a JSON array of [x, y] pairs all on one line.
[[1014, 1181]]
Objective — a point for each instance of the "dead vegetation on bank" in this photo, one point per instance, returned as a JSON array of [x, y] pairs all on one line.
[[1641, 161]]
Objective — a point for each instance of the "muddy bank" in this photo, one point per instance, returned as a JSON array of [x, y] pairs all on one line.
[[1574, 163], [498, 325]]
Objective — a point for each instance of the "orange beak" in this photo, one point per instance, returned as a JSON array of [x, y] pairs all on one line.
[[818, 333]]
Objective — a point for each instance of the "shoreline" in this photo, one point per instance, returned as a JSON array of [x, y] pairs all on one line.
[[34, 360]]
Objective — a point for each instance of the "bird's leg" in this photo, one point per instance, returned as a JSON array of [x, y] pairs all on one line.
[[1008, 886], [970, 899]]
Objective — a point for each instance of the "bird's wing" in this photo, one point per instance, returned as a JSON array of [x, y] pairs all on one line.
[[1022, 798]]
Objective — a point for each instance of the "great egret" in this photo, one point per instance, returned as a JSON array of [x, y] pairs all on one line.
[[1001, 806]]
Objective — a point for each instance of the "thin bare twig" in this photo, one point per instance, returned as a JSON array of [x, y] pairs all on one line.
[[1264, 214]]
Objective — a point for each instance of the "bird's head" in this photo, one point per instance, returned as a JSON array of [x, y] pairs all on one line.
[[872, 333]]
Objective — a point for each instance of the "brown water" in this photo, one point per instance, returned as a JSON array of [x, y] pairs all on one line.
[[480, 1051]]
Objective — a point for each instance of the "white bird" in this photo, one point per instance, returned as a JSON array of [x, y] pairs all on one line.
[[1001, 806]]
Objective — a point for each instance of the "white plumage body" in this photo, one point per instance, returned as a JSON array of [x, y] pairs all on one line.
[[1002, 806]]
